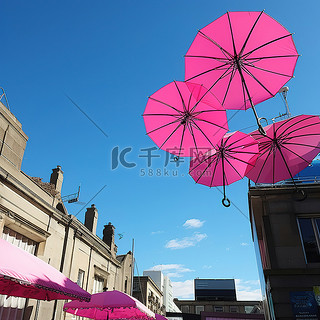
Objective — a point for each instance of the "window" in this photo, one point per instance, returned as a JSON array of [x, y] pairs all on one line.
[[199, 309], [234, 309], [13, 307], [98, 284], [218, 309], [309, 229], [80, 278], [185, 309]]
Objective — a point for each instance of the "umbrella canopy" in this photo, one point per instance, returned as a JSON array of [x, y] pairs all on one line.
[[24, 275], [244, 58], [181, 119], [289, 147], [227, 163], [160, 317], [110, 305]]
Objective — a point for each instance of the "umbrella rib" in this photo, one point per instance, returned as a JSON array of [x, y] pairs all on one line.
[[193, 137], [204, 72], [262, 69], [183, 104], [265, 44], [166, 104], [251, 75], [243, 161], [302, 135], [249, 34], [221, 127], [184, 129], [213, 173], [264, 163], [284, 160], [163, 126], [211, 87], [296, 154], [203, 133], [217, 44], [296, 123], [207, 57], [233, 167], [203, 172], [231, 78], [272, 57], [170, 135], [189, 102], [162, 114], [233, 44]]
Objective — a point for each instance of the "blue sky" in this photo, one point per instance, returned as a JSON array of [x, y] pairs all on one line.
[[109, 56]]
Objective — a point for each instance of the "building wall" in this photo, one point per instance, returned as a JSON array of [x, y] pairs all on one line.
[[275, 218], [29, 207]]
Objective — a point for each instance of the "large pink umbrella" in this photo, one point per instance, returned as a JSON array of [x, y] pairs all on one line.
[[24, 275], [110, 305], [288, 147], [181, 119], [227, 163], [244, 58]]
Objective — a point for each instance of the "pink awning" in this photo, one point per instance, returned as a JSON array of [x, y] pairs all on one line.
[[24, 275]]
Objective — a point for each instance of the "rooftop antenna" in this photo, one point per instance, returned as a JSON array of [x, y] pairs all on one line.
[[72, 198], [283, 93]]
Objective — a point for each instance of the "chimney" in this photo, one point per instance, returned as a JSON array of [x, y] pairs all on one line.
[[91, 219], [57, 178], [108, 238]]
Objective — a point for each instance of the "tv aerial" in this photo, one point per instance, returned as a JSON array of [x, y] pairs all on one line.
[[73, 198]]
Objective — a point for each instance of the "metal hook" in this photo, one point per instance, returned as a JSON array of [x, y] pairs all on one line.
[[260, 128], [226, 202]]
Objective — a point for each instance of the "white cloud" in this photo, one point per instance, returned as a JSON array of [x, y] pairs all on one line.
[[206, 267], [248, 290], [186, 242], [244, 244], [157, 232], [183, 289], [172, 270], [193, 223]]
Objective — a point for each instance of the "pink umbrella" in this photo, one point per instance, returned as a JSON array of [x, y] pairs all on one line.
[[181, 119], [160, 317], [24, 275], [110, 305], [289, 147], [227, 163], [244, 58]]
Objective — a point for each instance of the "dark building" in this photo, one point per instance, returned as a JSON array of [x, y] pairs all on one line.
[[287, 243], [215, 290]]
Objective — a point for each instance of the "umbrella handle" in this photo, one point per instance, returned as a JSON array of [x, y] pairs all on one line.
[[226, 202], [260, 128], [176, 158]]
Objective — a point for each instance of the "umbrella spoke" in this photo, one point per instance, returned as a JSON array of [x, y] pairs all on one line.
[[208, 57], [262, 69], [207, 71], [214, 124], [264, 162], [250, 74], [203, 133], [233, 167], [296, 129], [250, 33], [228, 87], [166, 104], [214, 172], [215, 43], [296, 154], [272, 57], [182, 137], [170, 135], [163, 126], [182, 100], [266, 44], [233, 44], [162, 114], [193, 136]]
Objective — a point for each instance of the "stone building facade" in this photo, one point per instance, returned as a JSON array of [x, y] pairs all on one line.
[[286, 234], [146, 291], [33, 216]]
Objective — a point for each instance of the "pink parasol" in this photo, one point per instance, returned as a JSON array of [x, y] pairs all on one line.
[[288, 147], [227, 163], [24, 275], [182, 119], [110, 305], [244, 58]]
